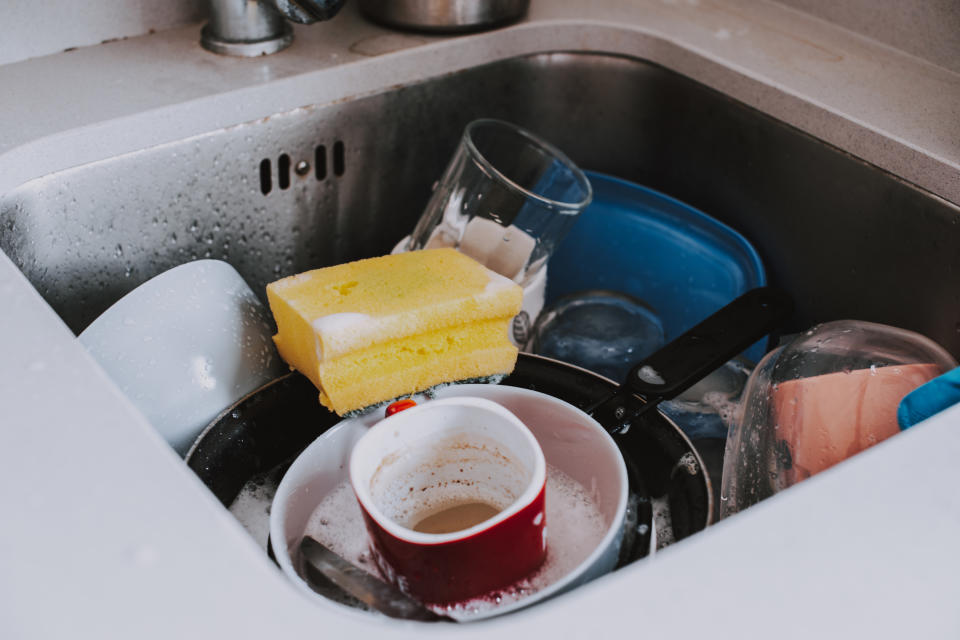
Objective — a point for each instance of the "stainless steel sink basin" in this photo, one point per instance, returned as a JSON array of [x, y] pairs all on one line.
[[122, 159], [325, 184]]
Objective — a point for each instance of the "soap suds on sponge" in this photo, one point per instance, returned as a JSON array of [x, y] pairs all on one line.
[[369, 331]]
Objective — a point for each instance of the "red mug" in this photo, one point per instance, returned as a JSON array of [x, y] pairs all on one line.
[[452, 494]]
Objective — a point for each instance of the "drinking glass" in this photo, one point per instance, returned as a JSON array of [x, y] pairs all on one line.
[[506, 199]]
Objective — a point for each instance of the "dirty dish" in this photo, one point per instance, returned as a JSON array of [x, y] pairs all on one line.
[[242, 456], [576, 448], [185, 345], [830, 393], [452, 492], [623, 412]]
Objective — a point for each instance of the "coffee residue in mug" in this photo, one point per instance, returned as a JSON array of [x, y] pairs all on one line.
[[456, 518]]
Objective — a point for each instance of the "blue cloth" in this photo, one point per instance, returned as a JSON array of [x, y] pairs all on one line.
[[929, 399]]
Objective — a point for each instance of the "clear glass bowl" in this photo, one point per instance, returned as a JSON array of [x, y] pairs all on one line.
[[830, 393], [604, 331]]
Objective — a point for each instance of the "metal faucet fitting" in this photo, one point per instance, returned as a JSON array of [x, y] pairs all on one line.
[[259, 27]]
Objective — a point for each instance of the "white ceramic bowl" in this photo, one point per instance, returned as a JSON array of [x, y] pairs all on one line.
[[571, 441], [185, 345]]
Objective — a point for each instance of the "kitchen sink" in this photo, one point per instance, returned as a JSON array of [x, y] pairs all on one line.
[[344, 179], [324, 184]]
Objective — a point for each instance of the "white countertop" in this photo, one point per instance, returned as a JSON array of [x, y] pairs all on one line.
[[108, 534]]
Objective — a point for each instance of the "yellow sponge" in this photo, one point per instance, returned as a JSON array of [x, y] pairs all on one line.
[[372, 330]]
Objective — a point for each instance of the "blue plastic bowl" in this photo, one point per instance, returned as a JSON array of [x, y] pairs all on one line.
[[678, 260]]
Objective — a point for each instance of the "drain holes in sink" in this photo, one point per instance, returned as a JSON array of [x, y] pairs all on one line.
[[266, 181], [303, 167], [283, 171], [320, 162]]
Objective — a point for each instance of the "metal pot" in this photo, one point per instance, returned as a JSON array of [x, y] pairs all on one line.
[[444, 16]]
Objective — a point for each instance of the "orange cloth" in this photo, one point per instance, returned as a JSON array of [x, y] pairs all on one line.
[[826, 419]]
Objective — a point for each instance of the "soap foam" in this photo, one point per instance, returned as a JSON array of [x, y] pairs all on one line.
[[574, 522], [342, 322], [727, 409]]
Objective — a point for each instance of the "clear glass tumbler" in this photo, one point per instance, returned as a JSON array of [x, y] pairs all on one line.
[[506, 199]]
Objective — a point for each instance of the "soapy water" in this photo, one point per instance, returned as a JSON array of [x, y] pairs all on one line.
[[252, 504], [724, 407], [574, 523], [709, 408], [662, 521]]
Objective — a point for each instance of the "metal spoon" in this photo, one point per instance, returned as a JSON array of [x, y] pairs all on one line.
[[322, 566]]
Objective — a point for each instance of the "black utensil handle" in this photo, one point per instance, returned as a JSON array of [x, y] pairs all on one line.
[[688, 359]]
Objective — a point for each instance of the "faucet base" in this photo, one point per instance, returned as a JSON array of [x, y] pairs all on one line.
[[246, 48]]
